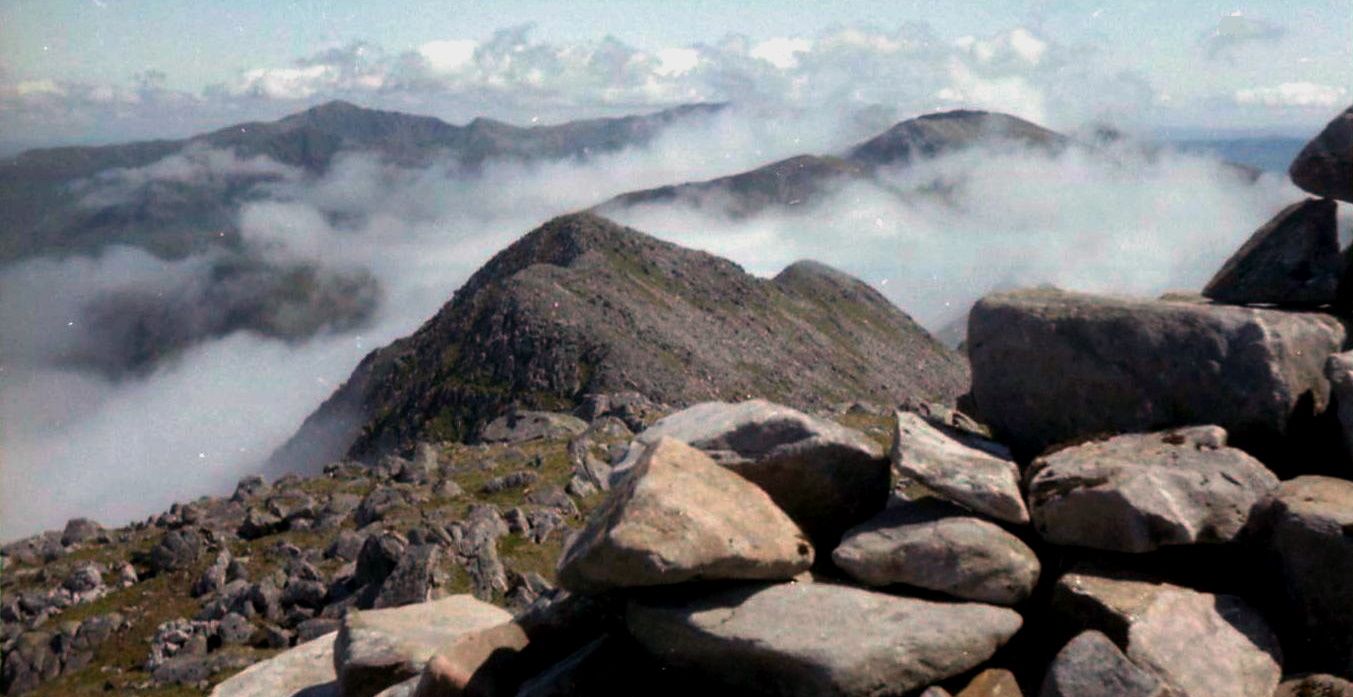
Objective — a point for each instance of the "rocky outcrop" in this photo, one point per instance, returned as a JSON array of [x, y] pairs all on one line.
[[1293, 261], [772, 640], [937, 546], [1051, 366], [1339, 371], [1325, 166], [678, 517], [521, 426], [825, 476], [1136, 493], [584, 306], [967, 469]]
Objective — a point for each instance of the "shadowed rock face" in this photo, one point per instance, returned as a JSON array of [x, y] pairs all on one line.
[[582, 305], [1293, 260], [1325, 166]]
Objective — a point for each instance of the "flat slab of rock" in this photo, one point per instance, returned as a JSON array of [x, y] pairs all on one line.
[[1293, 260], [935, 545], [966, 469], [375, 649], [1051, 366], [1090, 665], [680, 517], [1325, 166], [524, 426], [820, 639], [1198, 644], [1140, 492], [305, 671], [1309, 538], [825, 476]]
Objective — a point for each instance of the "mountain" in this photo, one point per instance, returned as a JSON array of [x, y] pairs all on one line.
[[173, 215], [801, 179], [582, 305], [1266, 154]]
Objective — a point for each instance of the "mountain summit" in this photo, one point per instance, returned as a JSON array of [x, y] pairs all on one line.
[[582, 305]]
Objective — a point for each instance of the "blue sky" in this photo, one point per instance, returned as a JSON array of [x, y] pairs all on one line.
[[102, 70]]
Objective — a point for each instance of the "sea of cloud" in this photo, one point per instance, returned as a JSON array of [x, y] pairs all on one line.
[[77, 443]]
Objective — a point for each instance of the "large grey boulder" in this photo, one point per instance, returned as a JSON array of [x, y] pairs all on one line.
[[934, 545], [1198, 644], [1051, 366], [1309, 539], [820, 640], [680, 517], [1139, 492], [379, 648], [971, 471], [825, 476], [1339, 371], [1090, 665], [1292, 260], [305, 671], [1325, 166]]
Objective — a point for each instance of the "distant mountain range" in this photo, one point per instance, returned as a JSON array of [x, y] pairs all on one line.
[[583, 305], [1268, 154]]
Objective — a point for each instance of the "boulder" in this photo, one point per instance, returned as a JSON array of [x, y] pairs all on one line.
[[680, 517], [971, 471], [1318, 685], [820, 639], [1293, 260], [1198, 644], [1140, 492], [522, 426], [1090, 665], [305, 671], [1309, 540], [1339, 371], [825, 476], [177, 550], [934, 545], [1325, 166], [1051, 366], [414, 579], [80, 530], [992, 682], [479, 663], [379, 648]]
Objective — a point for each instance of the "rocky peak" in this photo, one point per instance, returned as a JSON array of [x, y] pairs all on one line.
[[933, 134]]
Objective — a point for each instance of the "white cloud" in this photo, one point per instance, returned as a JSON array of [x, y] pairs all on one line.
[[673, 62], [1235, 30], [1011, 94], [448, 56], [781, 52], [1293, 94]]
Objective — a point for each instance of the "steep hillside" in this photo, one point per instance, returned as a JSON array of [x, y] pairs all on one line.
[[582, 305]]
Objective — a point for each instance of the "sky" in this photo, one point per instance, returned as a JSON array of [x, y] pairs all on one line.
[[97, 71]]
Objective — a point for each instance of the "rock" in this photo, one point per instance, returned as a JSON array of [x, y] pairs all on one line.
[[379, 556], [377, 504], [235, 629], [1339, 371], [680, 517], [79, 530], [819, 639], [259, 522], [84, 578], [507, 482], [1139, 492], [178, 549], [522, 426], [1051, 366], [379, 648], [476, 663], [413, 579], [970, 471], [934, 545], [1314, 686], [404, 689], [249, 487], [1325, 166], [1293, 260], [825, 476], [475, 543], [213, 578], [992, 682], [305, 671], [1090, 665], [1308, 538], [1198, 644], [346, 546]]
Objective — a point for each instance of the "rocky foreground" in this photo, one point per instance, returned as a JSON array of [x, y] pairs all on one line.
[[1136, 497]]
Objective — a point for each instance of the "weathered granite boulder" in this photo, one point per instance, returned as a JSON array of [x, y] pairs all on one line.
[[1051, 366], [1139, 492], [305, 671], [1308, 530], [1293, 260], [969, 470], [375, 649], [680, 517], [935, 545], [819, 639], [1090, 665], [1325, 166], [825, 476]]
